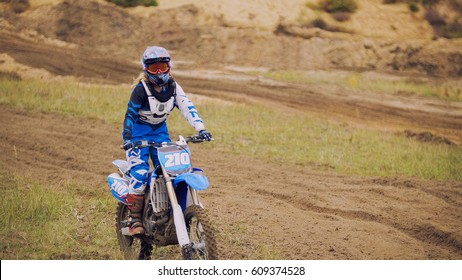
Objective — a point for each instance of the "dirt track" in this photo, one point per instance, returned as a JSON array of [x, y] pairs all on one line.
[[260, 208], [395, 113]]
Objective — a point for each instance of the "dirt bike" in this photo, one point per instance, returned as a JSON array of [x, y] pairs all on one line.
[[173, 213]]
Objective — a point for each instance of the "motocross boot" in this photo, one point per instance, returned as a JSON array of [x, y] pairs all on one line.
[[135, 207]]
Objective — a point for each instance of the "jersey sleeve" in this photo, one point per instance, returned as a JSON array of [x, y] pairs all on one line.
[[132, 113], [188, 110]]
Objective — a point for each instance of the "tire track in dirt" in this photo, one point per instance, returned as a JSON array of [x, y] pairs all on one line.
[[368, 209], [425, 233], [262, 210], [252, 225], [60, 147], [320, 100], [448, 194], [67, 62]]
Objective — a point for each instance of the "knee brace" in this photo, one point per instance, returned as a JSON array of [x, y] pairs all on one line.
[[139, 168], [139, 176]]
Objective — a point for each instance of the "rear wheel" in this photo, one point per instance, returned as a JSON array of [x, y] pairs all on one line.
[[201, 235], [132, 248]]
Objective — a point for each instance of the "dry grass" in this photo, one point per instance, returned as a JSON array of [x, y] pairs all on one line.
[[39, 222], [32, 212], [272, 135]]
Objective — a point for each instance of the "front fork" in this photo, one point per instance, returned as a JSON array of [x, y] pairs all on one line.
[[178, 217]]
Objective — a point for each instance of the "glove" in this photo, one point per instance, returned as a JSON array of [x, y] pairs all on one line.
[[205, 135], [127, 145]]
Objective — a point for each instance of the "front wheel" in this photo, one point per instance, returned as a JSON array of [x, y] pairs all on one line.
[[202, 239], [132, 248]]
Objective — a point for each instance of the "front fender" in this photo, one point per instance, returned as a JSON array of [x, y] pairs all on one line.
[[196, 181]]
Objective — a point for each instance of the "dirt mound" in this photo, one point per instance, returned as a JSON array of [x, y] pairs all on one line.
[[81, 63], [321, 48], [193, 32], [105, 28]]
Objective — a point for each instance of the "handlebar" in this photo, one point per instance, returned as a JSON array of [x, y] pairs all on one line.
[[195, 139], [145, 143]]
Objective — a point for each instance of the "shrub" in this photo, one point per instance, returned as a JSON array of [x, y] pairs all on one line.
[[414, 4], [18, 6], [134, 3], [442, 27], [321, 24], [424, 2], [429, 3], [414, 7], [452, 30], [333, 6], [434, 18]]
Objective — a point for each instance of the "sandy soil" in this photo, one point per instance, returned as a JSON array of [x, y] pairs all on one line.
[[388, 112], [258, 33], [261, 208]]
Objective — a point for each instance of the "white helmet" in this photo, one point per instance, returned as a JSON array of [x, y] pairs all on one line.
[[156, 64]]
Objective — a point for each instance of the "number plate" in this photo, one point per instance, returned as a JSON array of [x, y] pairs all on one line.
[[175, 159]]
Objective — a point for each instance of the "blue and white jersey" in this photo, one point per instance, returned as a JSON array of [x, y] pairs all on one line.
[[148, 109]]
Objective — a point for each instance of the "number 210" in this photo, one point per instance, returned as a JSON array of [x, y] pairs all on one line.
[[177, 159]]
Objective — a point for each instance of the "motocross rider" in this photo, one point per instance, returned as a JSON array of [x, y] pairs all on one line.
[[154, 96]]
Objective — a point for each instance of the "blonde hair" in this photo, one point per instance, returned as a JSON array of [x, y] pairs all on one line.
[[137, 80]]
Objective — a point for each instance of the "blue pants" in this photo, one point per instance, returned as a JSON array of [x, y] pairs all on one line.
[[139, 158]]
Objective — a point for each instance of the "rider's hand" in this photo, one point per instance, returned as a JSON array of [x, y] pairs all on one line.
[[127, 145], [204, 134]]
